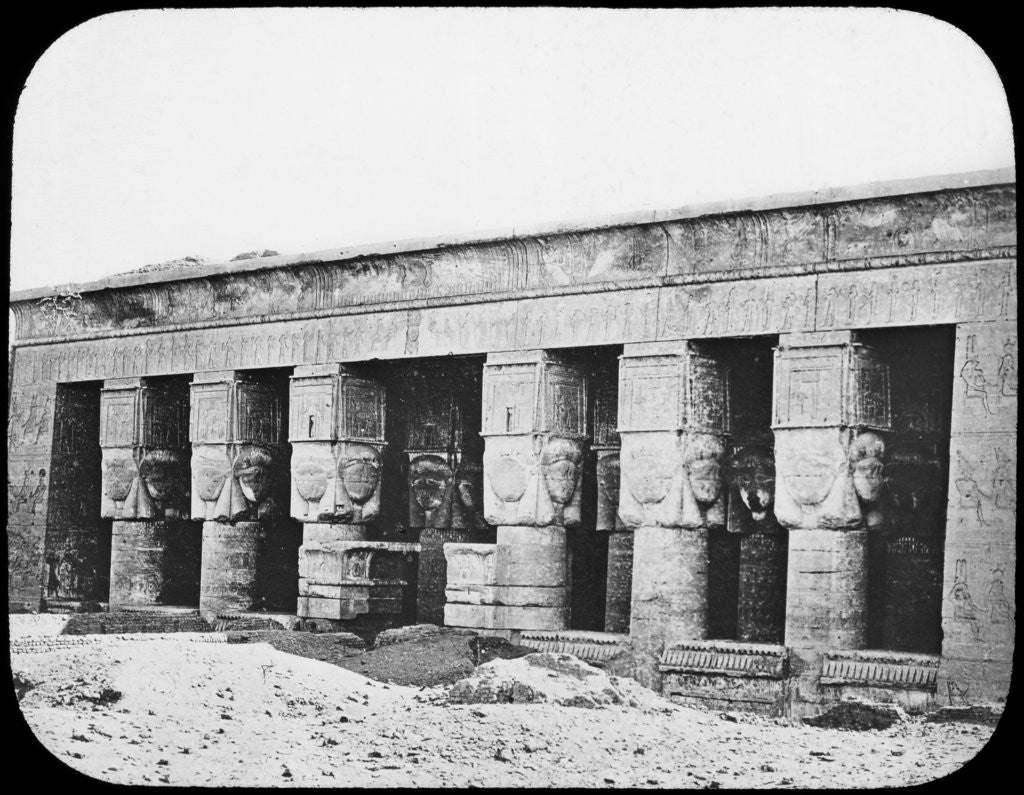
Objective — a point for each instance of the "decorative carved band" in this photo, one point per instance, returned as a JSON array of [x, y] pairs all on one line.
[[943, 226], [881, 669], [726, 658]]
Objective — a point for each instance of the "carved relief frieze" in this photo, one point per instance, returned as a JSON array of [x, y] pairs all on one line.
[[470, 567], [27, 486], [979, 601], [30, 419], [917, 295], [941, 221], [592, 319], [754, 306], [983, 474], [985, 368], [746, 241], [977, 220]]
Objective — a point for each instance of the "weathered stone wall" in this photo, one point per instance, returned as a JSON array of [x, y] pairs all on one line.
[[29, 450], [979, 604]]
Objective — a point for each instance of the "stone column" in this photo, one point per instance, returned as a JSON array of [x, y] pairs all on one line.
[[445, 476], [144, 441], [620, 537], [534, 420], [830, 414], [336, 428], [979, 577], [673, 417], [238, 486]]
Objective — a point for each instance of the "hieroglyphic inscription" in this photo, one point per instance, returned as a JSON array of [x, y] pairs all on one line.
[[755, 306], [600, 318], [565, 401], [917, 296], [509, 398], [830, 386], [985, 372]]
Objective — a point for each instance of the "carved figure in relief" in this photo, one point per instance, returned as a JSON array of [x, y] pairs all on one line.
[[976, 385], [560, 463], [999, 608], [255, 470], [751, 473], [787, 311], [866, 457], [359, 472], [1007, 372], [831, 296], [164, 476], [28, 494], [828, 481], [430, 492], [971, 494], [964, 608], [703, 503], [608, 481], [468, 506]]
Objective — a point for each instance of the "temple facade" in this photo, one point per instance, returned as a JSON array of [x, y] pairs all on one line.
[[762, 454]]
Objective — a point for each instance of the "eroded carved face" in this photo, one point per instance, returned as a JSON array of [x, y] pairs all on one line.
[[753, 473], [310, 476], [703, 460], [360, 472], [508, 479], [254, 469], [118, 476], [164, 475], [608, 478], [560, 462], [810, 466], [430, 479], [209, 471], [468, 484], [650, 478], [867, 466]]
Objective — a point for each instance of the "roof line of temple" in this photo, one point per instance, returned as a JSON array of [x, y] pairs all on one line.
[[871, 190]]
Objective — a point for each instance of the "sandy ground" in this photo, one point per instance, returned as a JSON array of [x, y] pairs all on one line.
[[180, 712]]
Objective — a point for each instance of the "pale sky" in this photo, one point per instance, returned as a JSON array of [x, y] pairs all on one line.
[[145, 136]]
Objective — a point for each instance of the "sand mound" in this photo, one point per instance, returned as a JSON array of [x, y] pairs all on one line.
[[189, 679], [551, 678]]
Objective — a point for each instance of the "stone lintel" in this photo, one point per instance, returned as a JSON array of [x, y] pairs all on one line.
[[216, 376], [312, 370], [817, 339], [111, 384]]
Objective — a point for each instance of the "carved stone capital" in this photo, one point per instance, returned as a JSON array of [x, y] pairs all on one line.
[[829, 478], [534, 427], [143, 436], [238, 458]]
